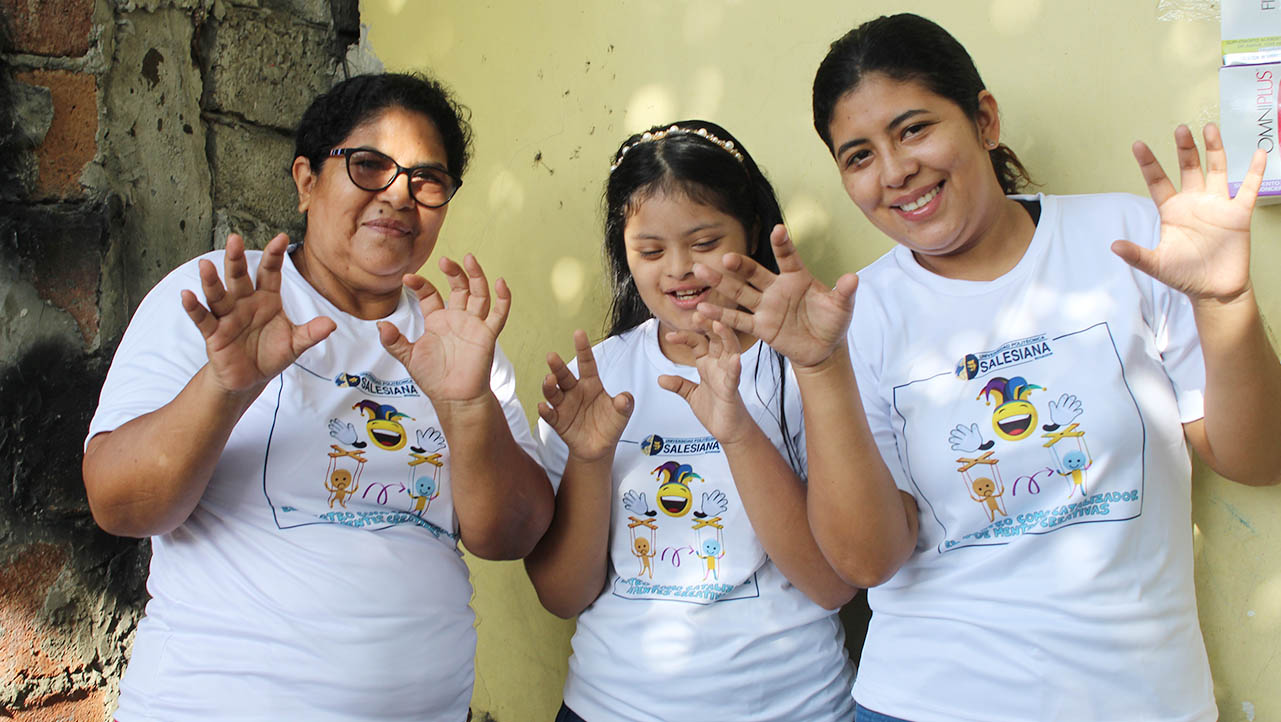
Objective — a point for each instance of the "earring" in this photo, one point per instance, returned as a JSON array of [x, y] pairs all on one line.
[[991, 143]]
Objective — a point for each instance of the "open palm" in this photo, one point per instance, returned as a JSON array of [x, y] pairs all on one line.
[[715, 400], [1204, 249], [451, 360], [582, 413], [791, 310], [248, 337]]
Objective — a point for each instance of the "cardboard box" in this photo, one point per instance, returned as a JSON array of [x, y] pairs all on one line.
[[1248, 106], [1251, 32]]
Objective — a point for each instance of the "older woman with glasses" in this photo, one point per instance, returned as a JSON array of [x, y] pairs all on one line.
[[305, 487]]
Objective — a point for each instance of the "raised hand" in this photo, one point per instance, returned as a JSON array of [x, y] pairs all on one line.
[[791, 311], [1205, 234], [247, 335], [451, 361], [715, 401], [586, 417]]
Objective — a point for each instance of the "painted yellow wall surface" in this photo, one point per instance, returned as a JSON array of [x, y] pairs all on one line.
[[555, 85]]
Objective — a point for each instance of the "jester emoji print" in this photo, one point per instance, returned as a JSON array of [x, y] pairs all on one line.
[[679, 532], [374, 459], [1035, 435]]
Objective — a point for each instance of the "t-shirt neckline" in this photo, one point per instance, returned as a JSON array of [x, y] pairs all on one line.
[[959, 287]]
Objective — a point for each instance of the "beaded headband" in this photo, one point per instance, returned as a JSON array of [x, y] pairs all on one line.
[[727, 145]]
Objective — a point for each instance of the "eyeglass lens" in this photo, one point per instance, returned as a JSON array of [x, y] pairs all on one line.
[[374, 171]]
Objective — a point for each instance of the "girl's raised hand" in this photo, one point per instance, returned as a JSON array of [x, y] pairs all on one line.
[[451, 361], [1205, 234], [791, 311], [715, 401], [248, 337], [583, 414]]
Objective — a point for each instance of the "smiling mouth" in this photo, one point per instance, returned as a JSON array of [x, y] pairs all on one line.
[[686, 296], [1015, 425], [673, 504], [384, 438], [922, 201]]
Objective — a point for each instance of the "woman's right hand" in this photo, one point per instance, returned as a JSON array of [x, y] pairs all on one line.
[[586, 417], [791, 311], [248, 337]]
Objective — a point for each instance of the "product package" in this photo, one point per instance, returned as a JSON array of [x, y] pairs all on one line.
[[1248, 120], [1251, 31]]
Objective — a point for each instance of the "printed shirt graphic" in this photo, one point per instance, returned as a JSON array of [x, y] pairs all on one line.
[[322, 556], [691, 595], [1036, 421]]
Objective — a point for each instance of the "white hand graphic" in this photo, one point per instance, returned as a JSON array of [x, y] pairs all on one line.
[[965, 438]]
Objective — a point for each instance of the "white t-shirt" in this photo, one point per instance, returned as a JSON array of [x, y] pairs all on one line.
[[1036, 419], [319, 577], [696, 622]]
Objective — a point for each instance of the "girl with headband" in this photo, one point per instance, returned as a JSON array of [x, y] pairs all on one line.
[[680, 537], [1032, 369]]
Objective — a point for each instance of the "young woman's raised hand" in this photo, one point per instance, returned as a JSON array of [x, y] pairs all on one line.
[[791, 311], [1205, 234], [582, 413], [451, 361], [248, 337], [715, 401]]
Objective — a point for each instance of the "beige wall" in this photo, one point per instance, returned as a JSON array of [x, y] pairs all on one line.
[[555, 85]]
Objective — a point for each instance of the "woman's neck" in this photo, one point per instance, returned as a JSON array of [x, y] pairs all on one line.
[[995, 250], [346, 298]]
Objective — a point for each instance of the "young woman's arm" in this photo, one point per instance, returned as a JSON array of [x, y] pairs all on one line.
[[1204, 252], [773, 496], [570, 564], [865, 527], [501, 495], [145, 477]]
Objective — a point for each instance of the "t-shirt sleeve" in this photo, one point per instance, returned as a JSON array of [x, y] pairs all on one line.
[[502, 381], [159, 354], [880, 420]]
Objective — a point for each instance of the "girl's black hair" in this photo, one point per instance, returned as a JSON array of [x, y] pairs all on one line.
[[333, 115], [716, 171], [908, 48]]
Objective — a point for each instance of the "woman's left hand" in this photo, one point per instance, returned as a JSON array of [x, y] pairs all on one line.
[[451, 361], [1205, 233], [715, 401]]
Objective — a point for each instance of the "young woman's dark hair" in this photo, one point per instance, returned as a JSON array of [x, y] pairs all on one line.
[[908, 48], [333, 115], [715, 171]]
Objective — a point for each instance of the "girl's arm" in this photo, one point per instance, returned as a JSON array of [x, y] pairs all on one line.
[[773, 496], [570, 564], [501, 495], [145, 477], [1204, 252], [865, 527]]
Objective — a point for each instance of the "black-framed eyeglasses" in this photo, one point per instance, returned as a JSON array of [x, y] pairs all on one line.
[[374, 171]]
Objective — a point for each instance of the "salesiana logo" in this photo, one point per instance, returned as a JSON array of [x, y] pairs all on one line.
[[375, 386], [1009, 354], [653, 445]]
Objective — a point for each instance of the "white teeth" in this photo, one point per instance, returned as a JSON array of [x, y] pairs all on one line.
[[685, 294], [921, 201]]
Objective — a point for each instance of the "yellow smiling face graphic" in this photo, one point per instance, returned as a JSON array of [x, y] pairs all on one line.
[[1014, 420], [675, 499], [386, 434]]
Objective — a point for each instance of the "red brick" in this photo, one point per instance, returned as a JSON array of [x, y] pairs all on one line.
[[72, 138], [50, 27]]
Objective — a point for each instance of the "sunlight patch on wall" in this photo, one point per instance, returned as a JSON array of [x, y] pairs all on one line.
[[707, 88], [649, 106], [506, 192], [1014, 17], [806, 219], [568, 281]]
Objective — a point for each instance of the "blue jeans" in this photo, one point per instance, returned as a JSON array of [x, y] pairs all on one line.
[[863, 714], [567, 715]]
